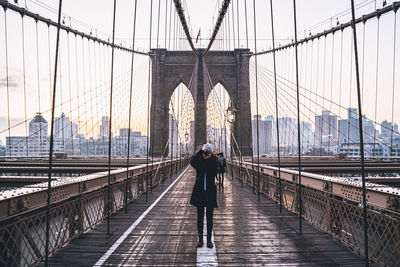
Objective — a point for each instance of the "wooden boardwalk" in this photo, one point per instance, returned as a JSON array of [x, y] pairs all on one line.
[[246, 233]]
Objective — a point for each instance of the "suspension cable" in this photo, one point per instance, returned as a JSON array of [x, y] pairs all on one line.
[[7, 81], [148, 104], [276, 107], [110, 124], [360, 122], [130, 108], [52, 140], [24, 78], [179, 10], [393, 78], [298, 118], [257, 125], [376, 79], [364, 18], [221, 16], [37, 17]]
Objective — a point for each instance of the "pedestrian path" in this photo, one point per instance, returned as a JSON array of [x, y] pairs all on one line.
[[162, 232]]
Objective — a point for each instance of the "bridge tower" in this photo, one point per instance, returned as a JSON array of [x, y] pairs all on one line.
[[200, 74]]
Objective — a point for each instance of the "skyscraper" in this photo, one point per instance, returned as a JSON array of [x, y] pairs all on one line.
[[105, 126], [326, 129], [64, 128]]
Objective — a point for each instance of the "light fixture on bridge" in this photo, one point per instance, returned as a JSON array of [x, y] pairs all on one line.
[[231, 113]]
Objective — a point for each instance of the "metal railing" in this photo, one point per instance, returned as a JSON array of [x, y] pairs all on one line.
[[77, 206], [333, 204]]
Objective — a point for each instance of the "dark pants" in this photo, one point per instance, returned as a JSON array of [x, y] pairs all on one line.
[[200, 221], [221, 178]]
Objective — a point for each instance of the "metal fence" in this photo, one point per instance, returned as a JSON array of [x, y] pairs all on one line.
[[334, 205], [77, 206]]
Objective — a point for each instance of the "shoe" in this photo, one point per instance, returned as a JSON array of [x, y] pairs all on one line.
[[200, 243], [210, 244]]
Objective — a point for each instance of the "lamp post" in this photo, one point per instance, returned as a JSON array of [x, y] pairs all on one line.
[[231, 117]]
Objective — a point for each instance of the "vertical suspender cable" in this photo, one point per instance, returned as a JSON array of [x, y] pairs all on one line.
[[351, 81], [169, 30], [7, 83], [130, 109], [229, 33], [165, 26], [38, 86], [360, 125], [152, 121], [258, 136], [233, 25], [70, 93], [110, 123], [247, 46], [77, 88], [298, 118], [393, 79], [84, 94], [331, 127], [321, 128], [247, 31], [276, 108], [24, 77], [363, 65], [238, 26], [340, 80], [158, 23], [53, 104], [376, 82], [49, 46], [148, 106], [91, 94]]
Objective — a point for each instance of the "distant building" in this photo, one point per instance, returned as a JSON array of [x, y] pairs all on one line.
[[265, 131], [370, 150], [105, 127], [64, 128], [288, 135], [326, 129], [307, 136], [38, 139], [17, 145]]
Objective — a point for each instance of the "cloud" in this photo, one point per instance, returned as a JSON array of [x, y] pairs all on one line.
[[14, 82]]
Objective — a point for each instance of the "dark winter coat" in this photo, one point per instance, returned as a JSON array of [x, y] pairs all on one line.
[[221, 164], [210, 168]]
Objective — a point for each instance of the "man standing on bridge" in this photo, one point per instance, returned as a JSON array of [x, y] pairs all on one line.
[[204, 193]]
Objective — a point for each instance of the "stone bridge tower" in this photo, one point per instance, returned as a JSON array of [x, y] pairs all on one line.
[[200, 74]]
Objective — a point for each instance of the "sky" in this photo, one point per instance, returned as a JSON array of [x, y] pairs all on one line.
[[86, 69]]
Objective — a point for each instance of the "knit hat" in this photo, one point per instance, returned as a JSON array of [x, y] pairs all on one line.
[[208, 146]]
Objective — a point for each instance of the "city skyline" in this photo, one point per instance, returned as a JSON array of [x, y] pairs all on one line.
[[329, 134]]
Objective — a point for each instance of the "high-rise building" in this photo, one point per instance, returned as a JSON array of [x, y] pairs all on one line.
[[264, 132], [352, 113], [64, 128], [343, 131], [38, 145], [326, 129], [288, 135], [105, 126], [307, 136]]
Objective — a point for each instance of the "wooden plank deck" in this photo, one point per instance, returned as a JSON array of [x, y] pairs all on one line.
[[246, 233]]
